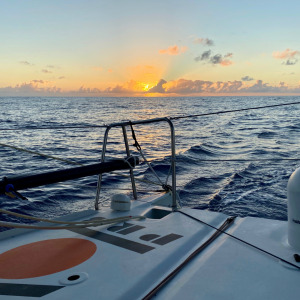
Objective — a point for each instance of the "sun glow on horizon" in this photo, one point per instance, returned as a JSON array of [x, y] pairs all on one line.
[[147, 58], [148, 86]]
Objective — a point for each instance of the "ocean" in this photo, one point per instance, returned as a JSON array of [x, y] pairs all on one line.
[[237, 163]]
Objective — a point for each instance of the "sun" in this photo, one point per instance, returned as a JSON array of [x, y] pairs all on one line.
[[147, 86]]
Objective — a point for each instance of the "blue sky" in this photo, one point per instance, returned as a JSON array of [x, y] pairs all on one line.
[[157, 48]]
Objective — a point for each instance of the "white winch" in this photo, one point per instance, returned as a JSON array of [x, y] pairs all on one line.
[[120, 202], [293, 191]]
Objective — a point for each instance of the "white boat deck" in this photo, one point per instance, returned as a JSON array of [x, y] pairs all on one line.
[[128, 261]]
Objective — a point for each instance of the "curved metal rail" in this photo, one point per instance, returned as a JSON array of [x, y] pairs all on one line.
[[123, 126]]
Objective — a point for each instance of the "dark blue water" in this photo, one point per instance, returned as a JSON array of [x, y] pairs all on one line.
[[242, 188]]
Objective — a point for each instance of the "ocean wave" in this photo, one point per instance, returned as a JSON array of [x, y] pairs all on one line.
[[294, 127], [235, 188], [266, 135], [205, 150]]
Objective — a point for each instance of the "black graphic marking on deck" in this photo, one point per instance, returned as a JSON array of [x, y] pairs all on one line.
[[27, 290], [131, 229], [167, 239], [114, 240]]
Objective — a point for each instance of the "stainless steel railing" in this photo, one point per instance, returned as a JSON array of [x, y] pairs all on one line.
[[123, 125]]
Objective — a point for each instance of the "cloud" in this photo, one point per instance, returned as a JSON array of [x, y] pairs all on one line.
[[247, 78], [290, 62], [38, 81], [173, 50], [260, 87], [83, 90], [289, 55], [118, 89], [204, 56], [61, 77], [54, 67], [216, 59], [204, 41], [203, 87], [129, 87], [26, 63], [228, 55], [33, 88], [179, 87], [46, 71], [226, 62], [158, 88], [185, 86]]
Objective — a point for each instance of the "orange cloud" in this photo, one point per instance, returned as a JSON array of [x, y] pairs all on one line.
[[130, 86], [179, 87], [173, 50], [185, 86], [288, 53], [226, 62], [203, 87]]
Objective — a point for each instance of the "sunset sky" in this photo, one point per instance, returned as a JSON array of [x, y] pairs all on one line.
[[149, 48]]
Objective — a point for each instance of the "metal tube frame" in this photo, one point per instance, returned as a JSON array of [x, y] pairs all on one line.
[[128, 154], [128, 123]]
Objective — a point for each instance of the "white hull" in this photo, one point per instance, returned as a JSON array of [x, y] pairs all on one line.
[[131, 261]]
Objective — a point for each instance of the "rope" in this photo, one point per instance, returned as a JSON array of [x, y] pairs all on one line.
[[114, 188], [167, 179], [41, 154], [126, 160], [240, 240], [53, 128], [223, 227], [245, 160], [138, 147], [137, 179], [149, 165], [178, 159], [3, 211], [233, 110], [134, 137], [66, 225], [171, 118]]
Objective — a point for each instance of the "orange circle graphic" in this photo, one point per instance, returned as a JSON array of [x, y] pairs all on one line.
[[45, 257]]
